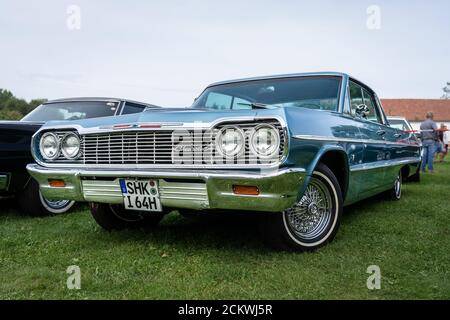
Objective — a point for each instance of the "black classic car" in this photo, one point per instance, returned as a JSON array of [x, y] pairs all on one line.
[[15, 141]]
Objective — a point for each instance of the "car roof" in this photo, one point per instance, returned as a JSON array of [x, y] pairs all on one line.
[[281, 76], [99, 99]]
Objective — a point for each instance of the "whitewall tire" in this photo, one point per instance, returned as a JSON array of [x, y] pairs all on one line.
[[313, 221]]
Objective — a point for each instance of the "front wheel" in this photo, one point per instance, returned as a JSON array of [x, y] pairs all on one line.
[[115, 217], [313, 221]]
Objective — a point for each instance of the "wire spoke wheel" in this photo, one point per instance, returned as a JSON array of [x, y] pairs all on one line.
[[310, 217]]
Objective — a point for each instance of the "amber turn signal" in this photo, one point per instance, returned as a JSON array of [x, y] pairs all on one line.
[[246, 190], [57, 183]]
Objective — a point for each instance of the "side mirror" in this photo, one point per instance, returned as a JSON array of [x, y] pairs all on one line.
[[362, 111]]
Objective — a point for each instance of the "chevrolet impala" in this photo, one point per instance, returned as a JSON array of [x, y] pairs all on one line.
[[292, 149]]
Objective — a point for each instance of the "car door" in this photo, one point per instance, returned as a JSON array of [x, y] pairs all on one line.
[[401, 145], [372, 133]]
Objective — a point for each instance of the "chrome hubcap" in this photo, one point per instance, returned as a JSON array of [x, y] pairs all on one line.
[[312, 214], [58, 204]]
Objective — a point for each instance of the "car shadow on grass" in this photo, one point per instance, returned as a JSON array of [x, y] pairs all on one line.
[[8, 206], [228, 232], [362, 207]]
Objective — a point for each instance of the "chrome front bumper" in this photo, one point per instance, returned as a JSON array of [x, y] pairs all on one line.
[[188, 189]]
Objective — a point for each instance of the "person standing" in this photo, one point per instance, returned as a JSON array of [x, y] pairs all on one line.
[[445, 141], [428, 135], [439, 146]]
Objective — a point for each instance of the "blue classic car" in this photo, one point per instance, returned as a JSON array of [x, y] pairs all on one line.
[[293, 148]]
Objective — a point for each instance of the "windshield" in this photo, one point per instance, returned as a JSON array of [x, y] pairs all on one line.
[[398, 124], [321, 92], [72, 111]]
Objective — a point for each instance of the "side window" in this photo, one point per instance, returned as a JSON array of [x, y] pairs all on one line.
[[356, 97], [369, 101], [130, 108]]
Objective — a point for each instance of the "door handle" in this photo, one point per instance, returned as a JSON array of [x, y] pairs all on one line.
[[398, 135], [381, 132]]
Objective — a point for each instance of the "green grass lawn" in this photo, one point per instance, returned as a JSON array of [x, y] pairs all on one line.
[[183, 259]]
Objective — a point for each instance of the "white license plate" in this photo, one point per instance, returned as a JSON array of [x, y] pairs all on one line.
[[141, 195]]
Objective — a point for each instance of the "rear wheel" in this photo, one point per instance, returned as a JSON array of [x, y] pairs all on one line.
[[395, 193], [313, 221], [115, 217]]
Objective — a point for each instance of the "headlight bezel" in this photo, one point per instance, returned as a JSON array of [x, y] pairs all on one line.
[[64, 152], [218, 142], [277, 146], [58, 146]]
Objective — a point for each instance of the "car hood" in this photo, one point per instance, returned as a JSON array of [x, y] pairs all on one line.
[[168, 116], [298, 120], [20, 125]]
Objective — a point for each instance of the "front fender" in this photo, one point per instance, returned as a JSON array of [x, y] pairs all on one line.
[[313, 164]]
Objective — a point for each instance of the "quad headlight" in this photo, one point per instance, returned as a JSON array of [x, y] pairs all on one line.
[[49, 146], [265, 141], [70, 146], [52, 145], [230, 142]]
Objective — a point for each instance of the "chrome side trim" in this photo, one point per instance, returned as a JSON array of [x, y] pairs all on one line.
[[383, 164], [326, 138], [350, 140]]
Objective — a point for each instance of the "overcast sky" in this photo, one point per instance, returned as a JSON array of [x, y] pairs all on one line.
[[166, 52]]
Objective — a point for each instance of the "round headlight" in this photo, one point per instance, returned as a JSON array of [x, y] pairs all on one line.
[[49, 146], [265, 141], [70, 146], [230, 142]]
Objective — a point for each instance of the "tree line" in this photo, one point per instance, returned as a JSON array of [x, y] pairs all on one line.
[[13, 108]]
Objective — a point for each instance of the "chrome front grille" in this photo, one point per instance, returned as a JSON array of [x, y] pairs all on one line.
[[155, 147], [139, 147]]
